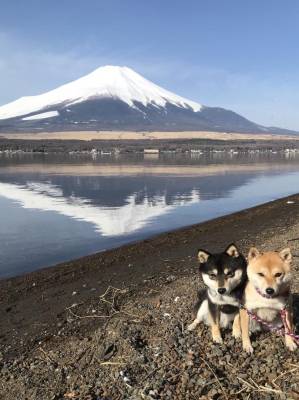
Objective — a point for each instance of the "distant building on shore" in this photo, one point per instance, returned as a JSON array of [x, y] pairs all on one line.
[[151, 151]]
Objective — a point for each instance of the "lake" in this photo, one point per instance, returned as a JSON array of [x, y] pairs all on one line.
[[56, 207]]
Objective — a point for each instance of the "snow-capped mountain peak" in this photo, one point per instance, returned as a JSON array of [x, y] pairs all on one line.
[[115, 82], [119, 99]]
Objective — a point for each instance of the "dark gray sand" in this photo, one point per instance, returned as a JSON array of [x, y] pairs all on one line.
[[113, 325]]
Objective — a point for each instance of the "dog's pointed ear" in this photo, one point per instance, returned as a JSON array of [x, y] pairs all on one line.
[[286, 255], [253, 253], [232, 250], [203, 256]]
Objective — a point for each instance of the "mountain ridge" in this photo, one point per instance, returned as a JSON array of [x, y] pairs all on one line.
[[118, 98]]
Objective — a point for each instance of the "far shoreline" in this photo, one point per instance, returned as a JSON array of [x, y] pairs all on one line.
[[144, 135], [151, 144]]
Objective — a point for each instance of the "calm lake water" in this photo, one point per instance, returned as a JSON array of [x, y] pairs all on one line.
[[57, 207]]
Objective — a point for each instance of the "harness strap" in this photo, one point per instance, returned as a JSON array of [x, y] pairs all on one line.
[[280, 330]]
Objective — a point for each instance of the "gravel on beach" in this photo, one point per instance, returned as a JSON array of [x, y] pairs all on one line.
[[139, 347]]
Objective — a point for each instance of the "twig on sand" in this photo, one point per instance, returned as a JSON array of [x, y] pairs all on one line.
[[292, 240], [240, 391], [102, 316], [285, 373], [255, 387], [115, 291], [154, 371], [113, 311], [267, 389], [216, 377], [47, 356], [260, 388], [246, 383], [112, 363], [87, 316]]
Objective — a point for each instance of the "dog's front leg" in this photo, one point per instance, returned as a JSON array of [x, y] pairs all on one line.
[[236, 327], [214, 317], [193, 325], [200, 313], [244, 322], [288, 326]]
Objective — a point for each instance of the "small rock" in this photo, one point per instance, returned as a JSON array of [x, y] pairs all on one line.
[[170, 278]]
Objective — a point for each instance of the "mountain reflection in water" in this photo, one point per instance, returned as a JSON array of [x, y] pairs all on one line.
[[52, 212]]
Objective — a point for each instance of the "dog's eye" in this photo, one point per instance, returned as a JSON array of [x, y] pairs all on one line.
[[278, 274], [260, 274], [230, 274], [212, 276]]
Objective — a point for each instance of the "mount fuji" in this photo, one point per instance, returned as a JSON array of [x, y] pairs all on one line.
[[118, 98]]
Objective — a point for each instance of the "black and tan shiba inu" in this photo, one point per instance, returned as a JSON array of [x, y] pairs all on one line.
[[224, 274], [267, 293]]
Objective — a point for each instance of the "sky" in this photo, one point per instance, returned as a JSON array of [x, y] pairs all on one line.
[[240, 55]]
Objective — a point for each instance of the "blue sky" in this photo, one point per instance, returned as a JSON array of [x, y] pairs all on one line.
[[241, 55]]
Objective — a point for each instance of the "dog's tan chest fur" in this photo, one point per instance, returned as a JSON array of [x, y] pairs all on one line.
[[267, 314]]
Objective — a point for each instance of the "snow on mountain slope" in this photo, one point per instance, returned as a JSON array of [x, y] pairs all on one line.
[[114, 82], [44, 115]]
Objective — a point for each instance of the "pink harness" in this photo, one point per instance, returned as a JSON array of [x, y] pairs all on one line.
[[280, 330]]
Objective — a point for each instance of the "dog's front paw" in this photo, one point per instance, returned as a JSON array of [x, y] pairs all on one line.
[[216, 334], [236, 333], [192, 326], [291, 345], [247, 347], [217, 339]]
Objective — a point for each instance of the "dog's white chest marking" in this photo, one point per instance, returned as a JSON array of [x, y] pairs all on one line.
[[221, 300], [226, 319], [203, 311]]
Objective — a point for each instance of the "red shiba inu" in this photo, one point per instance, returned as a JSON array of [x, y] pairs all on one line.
[[267, 293]]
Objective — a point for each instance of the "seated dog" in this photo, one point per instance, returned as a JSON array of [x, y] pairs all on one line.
[[267, 293], [224, 274]]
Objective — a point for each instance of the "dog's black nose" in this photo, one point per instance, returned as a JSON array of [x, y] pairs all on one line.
[[269, 290], [221, 290]]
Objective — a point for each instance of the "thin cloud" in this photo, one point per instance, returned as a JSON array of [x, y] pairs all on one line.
[[27, 70]]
